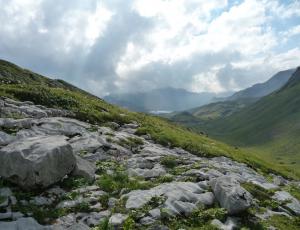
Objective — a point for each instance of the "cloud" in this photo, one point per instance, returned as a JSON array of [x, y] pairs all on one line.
[[108, 46]]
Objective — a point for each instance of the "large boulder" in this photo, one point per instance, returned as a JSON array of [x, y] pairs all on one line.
[[24, 224], [37, 161], [230, 194]]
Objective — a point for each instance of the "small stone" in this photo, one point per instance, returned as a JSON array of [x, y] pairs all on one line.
[[96, 207], [13, 200], [85, 169], [279, 180], [147, 220], [56, 191], [112, 202], [155, 213], [5, 138], [40, 201], [230, 224], [117, 219]]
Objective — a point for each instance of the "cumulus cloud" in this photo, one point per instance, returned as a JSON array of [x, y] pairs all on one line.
[[109, 46]]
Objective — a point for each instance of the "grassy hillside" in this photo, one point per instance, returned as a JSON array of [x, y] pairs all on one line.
[[22, 84], [270, 127], [213, 111]]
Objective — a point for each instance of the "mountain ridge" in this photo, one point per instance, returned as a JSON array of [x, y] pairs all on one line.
[[262, 89]]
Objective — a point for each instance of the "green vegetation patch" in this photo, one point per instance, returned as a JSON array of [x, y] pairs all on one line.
[[74, 182], [10, 130], [169, 161], [283, 222], [199, 219], [116, 181], [131, 142], [263, 196], [294, 190]]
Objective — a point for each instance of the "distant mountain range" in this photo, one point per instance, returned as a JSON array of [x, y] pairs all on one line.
[[223, 107], [269, 125], [164, 99]]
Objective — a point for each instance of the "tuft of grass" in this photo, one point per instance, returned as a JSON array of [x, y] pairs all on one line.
[[114, 183], [103, 225], [74, 182], [169, 162], [104, 200], [198, 219], [10, 130], [131, 142], [129, 224]]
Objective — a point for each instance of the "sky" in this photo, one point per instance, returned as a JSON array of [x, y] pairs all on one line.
[[120, 46]]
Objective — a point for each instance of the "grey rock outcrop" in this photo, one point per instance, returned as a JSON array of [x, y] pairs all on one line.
[[23, 224], [230, 194], [5, 138], [181, 197], [37, 162], [291, 202], [84, 168]]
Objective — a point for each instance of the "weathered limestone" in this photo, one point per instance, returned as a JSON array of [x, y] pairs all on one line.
[[230, 194], [37, 162]]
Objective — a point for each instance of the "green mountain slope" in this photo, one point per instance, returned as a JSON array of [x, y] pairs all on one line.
[[210, 112], [23, 85], [271, 126]]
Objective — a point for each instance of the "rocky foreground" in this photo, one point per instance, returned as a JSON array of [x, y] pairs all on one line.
[[60, 173]]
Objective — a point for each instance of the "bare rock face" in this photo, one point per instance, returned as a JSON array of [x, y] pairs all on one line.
[[37, 161], [84, 169], [290, 202], [5, 138], [230, 194], [23, 223], [181, 197]]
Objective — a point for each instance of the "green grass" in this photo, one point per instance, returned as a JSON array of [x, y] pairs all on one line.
[[283, 222], [118, 180], [96, 111], [131, 142], [199, 219]]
